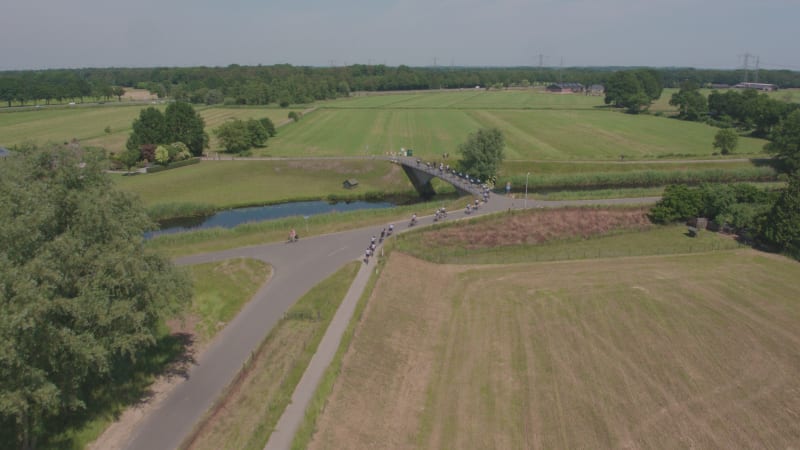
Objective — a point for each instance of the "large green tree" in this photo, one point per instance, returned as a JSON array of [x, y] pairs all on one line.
[[184, 124], [785, 143], [234, 136], [782, 225], [692, 105], [79, 294], [482, 153], [268, 125], [149, 128], [726, 140], [633, 90], [257, 133]]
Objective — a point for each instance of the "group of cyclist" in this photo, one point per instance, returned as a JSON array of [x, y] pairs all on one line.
[[375, 240]]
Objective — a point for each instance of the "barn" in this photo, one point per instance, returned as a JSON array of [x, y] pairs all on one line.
[[565, 88]]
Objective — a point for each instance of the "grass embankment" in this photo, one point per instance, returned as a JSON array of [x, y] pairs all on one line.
[[560, 234], [220, 291], [250, 409], [230, 184], [214, 239]]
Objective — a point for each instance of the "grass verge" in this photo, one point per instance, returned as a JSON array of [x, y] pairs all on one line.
[[316, 406], [251, 406], [222, 288]]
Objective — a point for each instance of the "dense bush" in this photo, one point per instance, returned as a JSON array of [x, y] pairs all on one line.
[[734, 205], [679, 202]]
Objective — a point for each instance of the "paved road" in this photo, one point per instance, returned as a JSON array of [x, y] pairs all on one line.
[[297, 267]]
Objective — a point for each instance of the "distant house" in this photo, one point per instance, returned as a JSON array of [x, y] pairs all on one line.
[[4, 152], [350, 183], [596, 89], [565, 88], [757, 86]]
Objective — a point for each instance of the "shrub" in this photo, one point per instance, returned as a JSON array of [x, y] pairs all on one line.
[[678, 203]]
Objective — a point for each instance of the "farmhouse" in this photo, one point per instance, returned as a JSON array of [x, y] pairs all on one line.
[[565, 88], [596, 89], [757, 86]]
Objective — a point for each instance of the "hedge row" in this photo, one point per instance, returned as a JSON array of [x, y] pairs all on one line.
[[174, 165]]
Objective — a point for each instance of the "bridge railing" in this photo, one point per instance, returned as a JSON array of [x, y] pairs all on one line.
[[447, 176]]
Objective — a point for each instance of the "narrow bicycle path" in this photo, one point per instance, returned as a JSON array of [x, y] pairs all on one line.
[[297, 267]]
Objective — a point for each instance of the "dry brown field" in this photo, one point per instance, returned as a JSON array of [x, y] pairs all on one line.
[[658, 352]]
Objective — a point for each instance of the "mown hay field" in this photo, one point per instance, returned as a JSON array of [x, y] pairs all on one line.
[[530, 134], [471, 99], [646, 352]]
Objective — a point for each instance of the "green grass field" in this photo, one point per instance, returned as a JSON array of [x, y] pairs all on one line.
[[537, 126], [231, 183], [530, 134], [88, 123], [469, 99]]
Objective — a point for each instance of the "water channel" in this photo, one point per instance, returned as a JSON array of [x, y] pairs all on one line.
[[234, 217]]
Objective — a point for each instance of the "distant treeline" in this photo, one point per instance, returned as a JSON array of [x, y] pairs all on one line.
[[286, 84]]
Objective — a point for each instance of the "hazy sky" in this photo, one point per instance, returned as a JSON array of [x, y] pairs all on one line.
[[38, 34]]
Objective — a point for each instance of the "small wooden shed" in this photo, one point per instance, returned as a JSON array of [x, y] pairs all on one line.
[[349, 183]]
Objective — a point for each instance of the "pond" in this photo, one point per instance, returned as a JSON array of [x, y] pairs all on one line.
[[234, 217]]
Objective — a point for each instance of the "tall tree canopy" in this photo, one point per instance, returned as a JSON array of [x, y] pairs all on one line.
[[785, 143], [482, 153], [149, 128], [782, 227], [185, 125], [633, 90], [79, 295]]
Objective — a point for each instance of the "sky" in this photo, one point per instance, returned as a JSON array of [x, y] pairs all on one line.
[[42, 34]]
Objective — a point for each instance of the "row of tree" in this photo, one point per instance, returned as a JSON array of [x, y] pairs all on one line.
[[178, 123], [286, 84], [238, 136], [746, 109], [771, 219]]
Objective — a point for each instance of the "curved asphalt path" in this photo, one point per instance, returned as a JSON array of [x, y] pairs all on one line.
[[296, 268]]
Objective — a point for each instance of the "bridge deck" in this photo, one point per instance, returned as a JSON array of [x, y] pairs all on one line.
[[461, 184]]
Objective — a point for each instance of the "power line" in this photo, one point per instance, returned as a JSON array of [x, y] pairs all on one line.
[[782, 66]]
